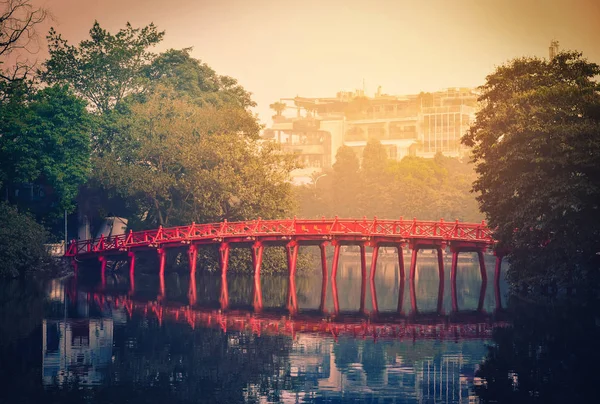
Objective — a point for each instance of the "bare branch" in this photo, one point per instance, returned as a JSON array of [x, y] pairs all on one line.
[[18, 19]]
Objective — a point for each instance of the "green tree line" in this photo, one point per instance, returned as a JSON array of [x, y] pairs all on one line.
[[414, 187]]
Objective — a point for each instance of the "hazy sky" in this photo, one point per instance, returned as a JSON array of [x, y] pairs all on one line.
[[280, 48]]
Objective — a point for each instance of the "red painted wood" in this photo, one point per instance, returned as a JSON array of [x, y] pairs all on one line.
[[382, 232]]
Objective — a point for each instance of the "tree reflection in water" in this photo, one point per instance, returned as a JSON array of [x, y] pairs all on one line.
[[550, 354]]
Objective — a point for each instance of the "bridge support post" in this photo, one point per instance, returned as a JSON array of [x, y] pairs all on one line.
[[497, 270], [192, 292], [481, 296], [453, 280], [102, 260], [223, 263], [363, 261], [440, 301], [400, 260], [291, 250], [442, 276], [413, 297], [374, 305], [257, 295], [336, 259], [440, 257], [257, 254], [374, 261], [193, 258], [322, 247], [224, 299], [162, 258], [224, 258], [363, 277], [292, 296], [400, 295], [482, 269], [131, 257], [334, 295], [413, 262]]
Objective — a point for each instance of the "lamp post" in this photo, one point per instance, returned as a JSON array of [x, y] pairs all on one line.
[[66, 238]]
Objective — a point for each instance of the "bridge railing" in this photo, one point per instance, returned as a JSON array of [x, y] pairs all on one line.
[[402, 229]]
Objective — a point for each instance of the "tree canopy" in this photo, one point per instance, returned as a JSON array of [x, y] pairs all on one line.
[[45, 140], [187, 75], [180, 162], [536, 146], [429, 189], [105, 68]]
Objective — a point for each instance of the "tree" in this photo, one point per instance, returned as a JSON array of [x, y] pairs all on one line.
[[105, 68], [536, 145], [346, 181], [188, 76], [21, 243], [374, 196], [18, 20], [278, 107], [45, 140], [179, 162]]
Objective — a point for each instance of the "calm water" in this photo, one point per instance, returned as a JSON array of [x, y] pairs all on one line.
[[75, 341]]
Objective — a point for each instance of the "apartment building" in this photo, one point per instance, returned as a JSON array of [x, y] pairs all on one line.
[[419, 125]]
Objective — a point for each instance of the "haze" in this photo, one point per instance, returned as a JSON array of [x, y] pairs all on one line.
[[312, 48]]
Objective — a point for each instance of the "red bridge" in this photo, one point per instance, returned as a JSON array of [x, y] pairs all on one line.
[[291, 233]]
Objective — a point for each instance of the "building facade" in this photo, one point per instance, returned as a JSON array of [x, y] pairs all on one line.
[[418, 125]]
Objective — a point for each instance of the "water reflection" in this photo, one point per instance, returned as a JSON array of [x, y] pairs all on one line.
[[239, 338]]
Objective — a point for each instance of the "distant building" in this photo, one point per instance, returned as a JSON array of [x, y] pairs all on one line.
[[553, 49], [420, 125]]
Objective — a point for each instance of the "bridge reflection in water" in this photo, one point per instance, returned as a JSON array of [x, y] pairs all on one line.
[[400, 340]]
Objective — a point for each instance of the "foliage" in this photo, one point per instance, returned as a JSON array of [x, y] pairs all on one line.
[[428, 189], [176, 68], [374, 180], [278, 107], [181, 162], [21, 243], [536, 145], [345, 183], [105, 68], [44, 140]]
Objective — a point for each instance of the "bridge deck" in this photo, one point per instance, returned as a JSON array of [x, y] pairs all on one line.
[[419, 234]]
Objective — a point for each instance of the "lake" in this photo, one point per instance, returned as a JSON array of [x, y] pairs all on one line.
[[73, 340]]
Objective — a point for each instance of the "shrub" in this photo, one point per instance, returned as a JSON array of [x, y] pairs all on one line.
[[21, 243]]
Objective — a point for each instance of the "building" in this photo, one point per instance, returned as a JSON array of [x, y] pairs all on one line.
[[419, 125]]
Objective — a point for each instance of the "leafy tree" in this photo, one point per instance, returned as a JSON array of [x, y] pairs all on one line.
[[105, 68], [21, 243], [374, 196], [44, 140], [188, 76], [278, 107], [428, 189], [375, 159], [346, 181], [180, 162], [536, 145]]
